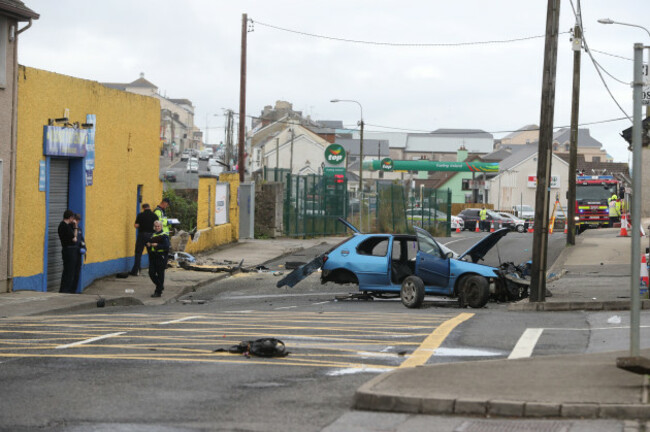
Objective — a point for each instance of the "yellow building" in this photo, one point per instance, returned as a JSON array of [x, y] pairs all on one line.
[[89, 148]]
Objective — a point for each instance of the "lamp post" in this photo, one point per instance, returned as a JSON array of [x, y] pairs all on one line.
[[360, 160]]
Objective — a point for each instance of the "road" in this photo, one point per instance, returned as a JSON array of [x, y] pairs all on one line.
[[184, 180], [159, 368]]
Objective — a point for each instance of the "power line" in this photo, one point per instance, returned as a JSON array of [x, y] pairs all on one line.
[[399, 44], [611, 55]]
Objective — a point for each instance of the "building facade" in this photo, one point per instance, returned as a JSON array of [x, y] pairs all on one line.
[[12, 13], [86, 147]]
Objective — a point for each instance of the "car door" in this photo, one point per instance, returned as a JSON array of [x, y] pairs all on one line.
[[372, 262], [431, 264]]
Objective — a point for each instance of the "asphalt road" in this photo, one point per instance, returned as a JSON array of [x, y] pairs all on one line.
[[158, 368]]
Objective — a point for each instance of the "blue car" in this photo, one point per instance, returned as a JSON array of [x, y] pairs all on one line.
[[411, 266]]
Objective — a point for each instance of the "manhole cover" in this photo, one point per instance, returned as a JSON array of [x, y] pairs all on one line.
[[512, 426]]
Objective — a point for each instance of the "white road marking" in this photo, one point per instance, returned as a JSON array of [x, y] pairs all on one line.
[[90, 340], [526, 343], [179, 320], [285, 307], [263, 296], [320, 303]]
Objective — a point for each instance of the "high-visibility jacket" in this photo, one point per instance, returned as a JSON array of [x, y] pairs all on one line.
[[618, 208], [483, 214], [162, 242], [162, 217], [613, 211]]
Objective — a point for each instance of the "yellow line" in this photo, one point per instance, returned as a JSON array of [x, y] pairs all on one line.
[[434, 340]]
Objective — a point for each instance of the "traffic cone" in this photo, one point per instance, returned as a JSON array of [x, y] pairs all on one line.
[[530, 228], [644, 281], [623, 232], [566, 228], [550, 229], [477, 224], [457, 228], [492, 226]]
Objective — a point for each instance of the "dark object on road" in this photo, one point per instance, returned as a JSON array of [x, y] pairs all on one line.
[[301, 272], [101, 302], [265, 347], [290, 265], [211, 269], [122, 275], [170, 176]]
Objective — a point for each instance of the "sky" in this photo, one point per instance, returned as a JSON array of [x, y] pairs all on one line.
[[428, 64]]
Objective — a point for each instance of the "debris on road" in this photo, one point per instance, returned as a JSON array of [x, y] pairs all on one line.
[[264, 347]]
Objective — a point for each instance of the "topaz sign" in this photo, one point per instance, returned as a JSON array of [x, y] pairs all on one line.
[[334, 154]]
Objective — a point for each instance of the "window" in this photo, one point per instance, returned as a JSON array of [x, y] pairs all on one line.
[[375, 246], [566, 147], [466, 186]]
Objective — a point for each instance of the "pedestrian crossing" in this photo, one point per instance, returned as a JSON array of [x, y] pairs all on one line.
[[339, 341]]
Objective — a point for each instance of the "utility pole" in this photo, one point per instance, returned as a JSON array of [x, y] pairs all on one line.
[[242, 100], [277, 153], [573, 145], [361, 175], [291, 154], [545, 155]]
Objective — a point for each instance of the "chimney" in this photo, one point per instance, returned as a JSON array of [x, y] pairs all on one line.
[[461, 154]]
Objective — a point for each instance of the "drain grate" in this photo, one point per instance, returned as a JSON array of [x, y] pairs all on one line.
[[513, 426]]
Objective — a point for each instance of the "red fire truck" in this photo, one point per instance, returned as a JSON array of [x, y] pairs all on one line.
[[592, 194]]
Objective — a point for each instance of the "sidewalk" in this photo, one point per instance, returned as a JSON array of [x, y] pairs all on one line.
[[178, 282], [593, 275]]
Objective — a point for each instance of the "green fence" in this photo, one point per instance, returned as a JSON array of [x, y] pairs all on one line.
[[314, 203]]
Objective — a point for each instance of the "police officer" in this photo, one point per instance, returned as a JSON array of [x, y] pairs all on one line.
[[162, 216], [483, 216], [614, 210], [158, 247]]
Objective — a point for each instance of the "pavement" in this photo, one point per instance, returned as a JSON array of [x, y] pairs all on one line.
[[592, 275]]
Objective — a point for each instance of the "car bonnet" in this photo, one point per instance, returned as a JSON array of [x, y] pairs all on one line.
[[480, 249]]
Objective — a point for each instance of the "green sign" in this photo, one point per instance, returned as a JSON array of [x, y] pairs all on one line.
[[425, 165], [334, 154], [332, 171], [387, 164]]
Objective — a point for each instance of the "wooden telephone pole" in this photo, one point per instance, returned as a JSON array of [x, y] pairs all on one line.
[[241, 165], [544, 156]]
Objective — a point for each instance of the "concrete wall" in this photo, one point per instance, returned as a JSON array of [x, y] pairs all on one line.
[[7, 152], [208, 235], [126, 155], [269, 201]]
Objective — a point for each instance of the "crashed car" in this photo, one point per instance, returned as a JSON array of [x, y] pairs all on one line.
[[412, 266]]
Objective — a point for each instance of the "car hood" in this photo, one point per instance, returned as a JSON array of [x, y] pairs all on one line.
[[481, 248]]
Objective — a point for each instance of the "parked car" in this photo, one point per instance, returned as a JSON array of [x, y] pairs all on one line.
[[523, 211], [192, 167], [204, 155], [515, 223], [411, 266], [170, 176], [471, 218], [423, 215], [185, 155]]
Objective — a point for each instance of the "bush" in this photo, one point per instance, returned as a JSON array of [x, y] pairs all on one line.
[[183, 208]]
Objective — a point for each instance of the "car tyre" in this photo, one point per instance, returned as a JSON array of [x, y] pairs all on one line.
[[474, 291], [520, 228], [412, 292]]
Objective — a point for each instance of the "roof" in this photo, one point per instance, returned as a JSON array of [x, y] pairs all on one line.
[[16, 9], [459, 133], [371, 147], [333, 124], [180, 101], [598, 168], [141, 82], [530, 127], [584, 138], [518, 157], [497, 155], [437, 179]]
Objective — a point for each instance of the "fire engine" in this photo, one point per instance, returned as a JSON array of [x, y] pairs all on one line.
[[592, 194]]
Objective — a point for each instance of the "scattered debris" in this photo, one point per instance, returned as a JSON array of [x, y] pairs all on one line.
[[265, 347], [184, 257], [615, 319], [101, 302], [122, 275], [290, 265], [278, 273], [212, 268]]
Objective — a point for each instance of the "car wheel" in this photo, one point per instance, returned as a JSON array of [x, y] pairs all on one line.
[[474, 291], [520, 228], [412, 292]]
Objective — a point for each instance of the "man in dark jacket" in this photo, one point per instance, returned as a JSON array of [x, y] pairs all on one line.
[[69, 251], [144, 224], [158, 246]]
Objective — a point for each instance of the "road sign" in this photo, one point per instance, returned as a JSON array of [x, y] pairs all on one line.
[[332, 171], [645, 98], [334, 154]]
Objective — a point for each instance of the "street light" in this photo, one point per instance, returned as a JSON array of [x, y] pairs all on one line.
[[360, 159], [611, 21]]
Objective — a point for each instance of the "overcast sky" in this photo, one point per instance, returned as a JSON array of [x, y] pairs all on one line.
[[191, 49]]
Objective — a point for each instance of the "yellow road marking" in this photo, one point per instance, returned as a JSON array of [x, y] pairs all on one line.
[[434, 340]]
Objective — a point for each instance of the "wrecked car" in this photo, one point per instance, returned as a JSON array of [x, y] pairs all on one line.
[[412, 266]]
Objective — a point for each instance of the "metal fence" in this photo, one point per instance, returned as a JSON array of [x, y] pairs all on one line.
[[314, 203]]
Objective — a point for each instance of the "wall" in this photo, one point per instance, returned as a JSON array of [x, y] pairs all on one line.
[[269, 201], [126, 155], [209, 236]]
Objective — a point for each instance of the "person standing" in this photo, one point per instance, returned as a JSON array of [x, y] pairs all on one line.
[[158, 246], [162, 216], [81, 250], [144, 224], [483, 215], [69, 251]]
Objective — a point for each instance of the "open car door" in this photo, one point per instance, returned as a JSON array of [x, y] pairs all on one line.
[[431, 265]]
